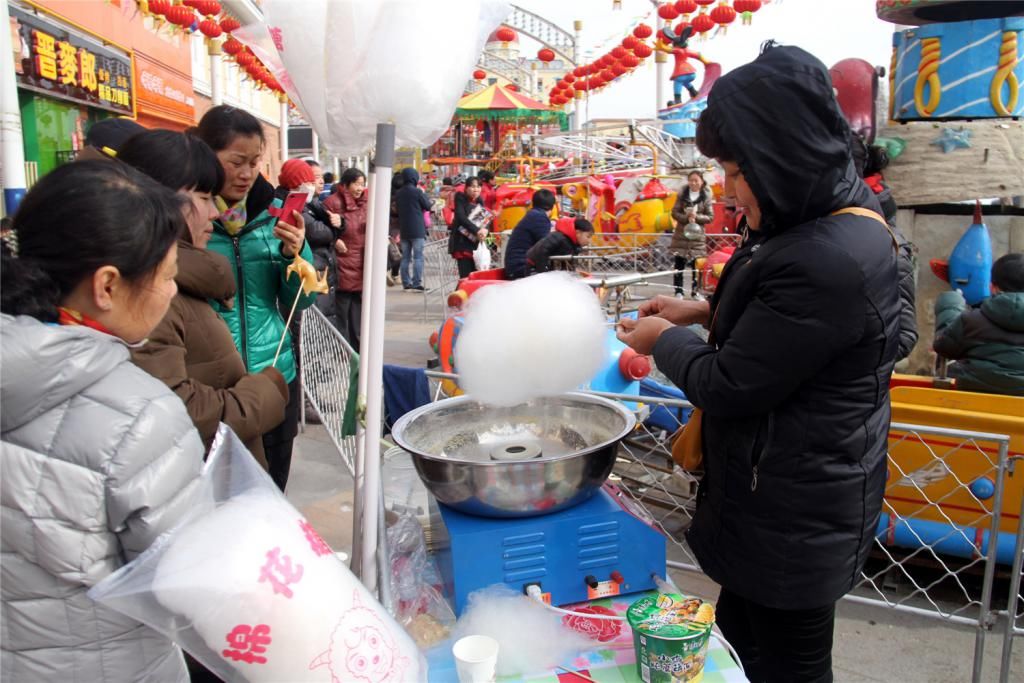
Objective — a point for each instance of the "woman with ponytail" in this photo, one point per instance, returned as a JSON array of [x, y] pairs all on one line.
[[98, 457]]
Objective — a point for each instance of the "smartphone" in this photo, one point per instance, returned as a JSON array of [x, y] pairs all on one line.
[[295, 201]]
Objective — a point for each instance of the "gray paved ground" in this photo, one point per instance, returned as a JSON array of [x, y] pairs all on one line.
[[872, 644]]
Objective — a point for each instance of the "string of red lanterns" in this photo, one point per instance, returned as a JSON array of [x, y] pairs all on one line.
[[634, 48], [202, 16]]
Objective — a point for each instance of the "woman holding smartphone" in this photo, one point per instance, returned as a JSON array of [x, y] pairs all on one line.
[[259, 248]]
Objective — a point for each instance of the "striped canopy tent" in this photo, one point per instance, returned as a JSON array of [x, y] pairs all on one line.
[[497, 103]]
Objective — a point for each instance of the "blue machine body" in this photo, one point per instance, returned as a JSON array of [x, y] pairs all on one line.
[[558, 552], [970, 264]]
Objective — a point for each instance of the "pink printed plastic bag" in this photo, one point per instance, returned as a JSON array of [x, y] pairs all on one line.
[[249, 588]]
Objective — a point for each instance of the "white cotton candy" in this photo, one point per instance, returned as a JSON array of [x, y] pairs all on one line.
[[323, 624], [531, 637], [540, 336]]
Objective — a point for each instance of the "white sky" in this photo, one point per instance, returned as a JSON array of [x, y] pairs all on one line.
[[830, 29]]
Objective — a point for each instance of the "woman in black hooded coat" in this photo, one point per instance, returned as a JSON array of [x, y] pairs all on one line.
[[794, 381]]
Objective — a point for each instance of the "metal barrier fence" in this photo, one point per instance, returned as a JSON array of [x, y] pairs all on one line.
[[1014, 615], [326, 373]]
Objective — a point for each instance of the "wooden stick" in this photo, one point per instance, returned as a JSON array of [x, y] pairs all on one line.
[[576, 673], [286, 324]]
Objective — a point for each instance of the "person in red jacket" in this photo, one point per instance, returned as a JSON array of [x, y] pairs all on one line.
[[568, 238], [350, 200]]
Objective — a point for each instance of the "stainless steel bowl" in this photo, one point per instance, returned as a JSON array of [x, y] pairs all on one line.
[[531, 459]]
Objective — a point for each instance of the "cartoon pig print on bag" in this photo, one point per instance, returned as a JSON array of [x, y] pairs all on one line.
[[362, 649]]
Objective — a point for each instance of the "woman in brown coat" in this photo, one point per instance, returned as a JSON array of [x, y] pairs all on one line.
[[693, 210], [191, 350]]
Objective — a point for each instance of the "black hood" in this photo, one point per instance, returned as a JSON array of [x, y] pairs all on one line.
[[779, 116], [410, 176]]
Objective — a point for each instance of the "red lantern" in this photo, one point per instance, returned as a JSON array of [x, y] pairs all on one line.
[[668, 12], [618, 52], [723, 15], [743, 5], [569, 78], [686, 6], [702, 23], [232, 46], [210, 28], [680, 27], [209, 7], [159, 7], [630, 41], [608, 75], [632, 61], [505, 34], [643, 50], [479, 75], [704, 3], [610, 59], [245, 59], [618, 70], [643, 31], [580, 85], [546, 55], [181, 16], [229, 24], [190, 3], [513, 87]]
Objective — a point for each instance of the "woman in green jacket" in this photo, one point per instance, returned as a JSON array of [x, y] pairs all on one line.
[[259, 249]]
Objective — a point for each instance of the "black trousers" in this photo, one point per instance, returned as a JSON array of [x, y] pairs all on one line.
[[466, 266], [776, 645], [278, 442], [682, 263], [348, 306]]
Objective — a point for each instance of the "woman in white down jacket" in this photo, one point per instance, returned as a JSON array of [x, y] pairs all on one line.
[[98, 458]]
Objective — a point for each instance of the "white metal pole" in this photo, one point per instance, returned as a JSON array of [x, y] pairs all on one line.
[[372, 344], [12, 155], [216, 74], [659, 69], [316, 147], [284, 131]]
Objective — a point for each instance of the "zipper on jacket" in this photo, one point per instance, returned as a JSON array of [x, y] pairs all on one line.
[[764, 449], [243, 334]]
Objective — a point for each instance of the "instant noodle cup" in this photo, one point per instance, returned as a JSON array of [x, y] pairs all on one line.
[[670, 637]]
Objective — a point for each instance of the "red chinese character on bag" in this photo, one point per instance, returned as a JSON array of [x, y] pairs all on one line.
[[316, 542], [275, 35], [249, 642], [279, 572]]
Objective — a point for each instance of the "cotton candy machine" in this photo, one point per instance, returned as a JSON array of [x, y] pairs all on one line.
[[521, 497]]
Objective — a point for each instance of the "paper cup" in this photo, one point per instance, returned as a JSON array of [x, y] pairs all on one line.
[[476, 658]]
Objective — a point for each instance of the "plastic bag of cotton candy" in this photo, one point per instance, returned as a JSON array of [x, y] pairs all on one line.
[[248, 587], [540, 336]]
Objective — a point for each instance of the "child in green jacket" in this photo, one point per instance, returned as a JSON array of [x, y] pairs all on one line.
[[987, 342]]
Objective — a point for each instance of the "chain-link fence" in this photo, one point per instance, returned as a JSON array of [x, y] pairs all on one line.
[[327, 371]]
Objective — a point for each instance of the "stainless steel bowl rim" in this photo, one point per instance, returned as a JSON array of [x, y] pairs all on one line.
[[399, 427]]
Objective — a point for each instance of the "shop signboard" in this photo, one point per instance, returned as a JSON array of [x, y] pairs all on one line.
[[54, 61]]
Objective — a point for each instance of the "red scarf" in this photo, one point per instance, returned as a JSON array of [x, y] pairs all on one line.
[[69, 316]]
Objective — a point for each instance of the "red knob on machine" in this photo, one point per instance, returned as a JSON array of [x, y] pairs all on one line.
[[618, 578]]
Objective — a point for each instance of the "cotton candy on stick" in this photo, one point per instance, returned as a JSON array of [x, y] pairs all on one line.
[[540, 336]]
